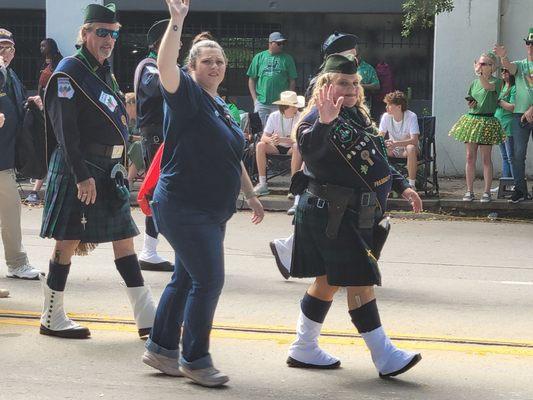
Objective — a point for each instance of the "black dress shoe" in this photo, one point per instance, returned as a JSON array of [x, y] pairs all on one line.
[[144, 333], [291, 362], [165, 266], [77, 333], [410, 365]]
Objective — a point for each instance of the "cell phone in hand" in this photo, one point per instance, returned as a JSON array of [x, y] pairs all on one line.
[[469, 98]]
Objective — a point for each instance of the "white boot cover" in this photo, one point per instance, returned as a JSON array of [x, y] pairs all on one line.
[[387, 358], [149, 251], [305, 348], [53, 316], [284, 248], [143, 306]]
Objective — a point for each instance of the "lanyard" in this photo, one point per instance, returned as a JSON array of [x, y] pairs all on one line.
[[112, 84]]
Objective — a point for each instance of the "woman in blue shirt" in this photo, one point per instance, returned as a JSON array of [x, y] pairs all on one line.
[[201, 176]]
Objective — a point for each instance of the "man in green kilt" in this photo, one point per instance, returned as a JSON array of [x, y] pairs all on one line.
[[87, 201]]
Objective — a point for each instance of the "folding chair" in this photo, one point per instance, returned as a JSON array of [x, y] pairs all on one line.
[[427, 174], [253, 127]]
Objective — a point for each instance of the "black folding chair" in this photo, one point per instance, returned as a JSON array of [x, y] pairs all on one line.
[[427, 174], [254, 129]]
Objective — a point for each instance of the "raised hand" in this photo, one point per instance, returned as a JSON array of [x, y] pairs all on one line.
[[500, 51], [328, 110], [178, 8]]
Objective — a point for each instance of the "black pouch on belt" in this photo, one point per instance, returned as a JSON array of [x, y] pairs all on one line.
[[299, 183], [338, 198], [366, 210]]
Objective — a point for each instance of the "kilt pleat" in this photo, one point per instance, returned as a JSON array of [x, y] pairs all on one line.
[[108, 220]]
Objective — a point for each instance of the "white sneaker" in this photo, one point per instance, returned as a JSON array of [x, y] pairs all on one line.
[[25, 271], [166, 365], [469, 196], [210, 377], [486, 198], [261, 189]]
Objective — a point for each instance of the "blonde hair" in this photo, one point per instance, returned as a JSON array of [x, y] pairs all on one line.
[[196, 48], [323, 80], [88, 27]]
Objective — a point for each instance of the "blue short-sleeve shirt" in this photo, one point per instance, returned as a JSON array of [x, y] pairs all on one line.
[[200, 166]]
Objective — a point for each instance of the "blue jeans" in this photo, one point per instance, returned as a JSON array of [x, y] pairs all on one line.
[[191, 297], [521, 137], [507, 151]]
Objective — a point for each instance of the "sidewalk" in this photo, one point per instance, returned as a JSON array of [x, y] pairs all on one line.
[[449, 201]]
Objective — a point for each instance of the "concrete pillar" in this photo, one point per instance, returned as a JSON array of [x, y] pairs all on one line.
[[63, 19]]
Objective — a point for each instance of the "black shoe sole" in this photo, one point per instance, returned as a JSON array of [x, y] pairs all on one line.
[[163, 266], [82, 333], [411, 364], [144, 333], [282, 270], [291, 362]]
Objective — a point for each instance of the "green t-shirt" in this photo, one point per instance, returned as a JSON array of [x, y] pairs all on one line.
[[234, 112], [272, 73], [368, 74], [524, 85], [487, 101], [505, 117]]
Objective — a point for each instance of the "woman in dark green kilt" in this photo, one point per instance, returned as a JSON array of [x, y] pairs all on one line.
[[479, 129], [348, 180]]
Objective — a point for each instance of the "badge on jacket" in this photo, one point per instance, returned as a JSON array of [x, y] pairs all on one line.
[[108, 100], [64, 88]]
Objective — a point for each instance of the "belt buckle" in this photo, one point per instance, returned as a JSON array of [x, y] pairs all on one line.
[[320, 203], [365, 199], [117, 151], [156, 139]]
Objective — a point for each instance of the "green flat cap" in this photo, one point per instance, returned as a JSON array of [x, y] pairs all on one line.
[[156, 31], [341, 64], [97, 13]]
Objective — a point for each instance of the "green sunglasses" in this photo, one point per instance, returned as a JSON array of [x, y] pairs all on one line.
[[103, 32]]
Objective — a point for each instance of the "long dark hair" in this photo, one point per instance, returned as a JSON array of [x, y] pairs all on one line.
[[53, 53], [512, 81]]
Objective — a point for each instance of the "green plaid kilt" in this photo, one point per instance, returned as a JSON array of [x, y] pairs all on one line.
[[345, 260], [108, 219]]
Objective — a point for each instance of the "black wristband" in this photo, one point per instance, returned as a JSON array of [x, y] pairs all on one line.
[[175, 28]]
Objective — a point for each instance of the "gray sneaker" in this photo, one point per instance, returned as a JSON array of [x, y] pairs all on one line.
[[33, 198], [210, 377], [469, 196], [486, 198], [261, 189], [25, 271], [166, 365]]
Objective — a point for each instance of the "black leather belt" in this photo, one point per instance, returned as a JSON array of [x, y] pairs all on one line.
[[104, 150], [338, 198]]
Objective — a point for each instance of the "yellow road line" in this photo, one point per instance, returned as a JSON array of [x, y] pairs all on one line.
[[284, 335]]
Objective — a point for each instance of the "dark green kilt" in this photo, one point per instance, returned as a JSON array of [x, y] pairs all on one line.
[[107, 220], [346, 260]]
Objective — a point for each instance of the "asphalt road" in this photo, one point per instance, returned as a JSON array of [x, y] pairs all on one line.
[[461, 292]]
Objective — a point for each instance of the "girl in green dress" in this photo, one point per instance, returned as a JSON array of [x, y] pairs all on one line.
[[479, 129]]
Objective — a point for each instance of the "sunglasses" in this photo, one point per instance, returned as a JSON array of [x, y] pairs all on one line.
[[280, 43], [505, 71], [103, 32], [529, 42], [483, 64]]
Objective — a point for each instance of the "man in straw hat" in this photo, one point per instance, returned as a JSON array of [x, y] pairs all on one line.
[[87, 201], [149, 103], [522, 124], [276, 137]]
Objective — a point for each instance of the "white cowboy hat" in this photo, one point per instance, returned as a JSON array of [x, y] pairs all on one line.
[[289, 98]]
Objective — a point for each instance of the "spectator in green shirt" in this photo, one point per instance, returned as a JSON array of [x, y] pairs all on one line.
[[522, 124], [271, 72], [504, 113], [370, 80]]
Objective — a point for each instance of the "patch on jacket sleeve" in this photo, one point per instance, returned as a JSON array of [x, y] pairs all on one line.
[[64, 88]]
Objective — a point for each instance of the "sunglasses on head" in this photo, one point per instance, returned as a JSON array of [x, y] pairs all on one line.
[[103, 32]]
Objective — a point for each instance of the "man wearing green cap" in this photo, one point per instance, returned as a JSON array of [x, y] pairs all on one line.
[[149, 102], [522, 124], [87, 201]]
